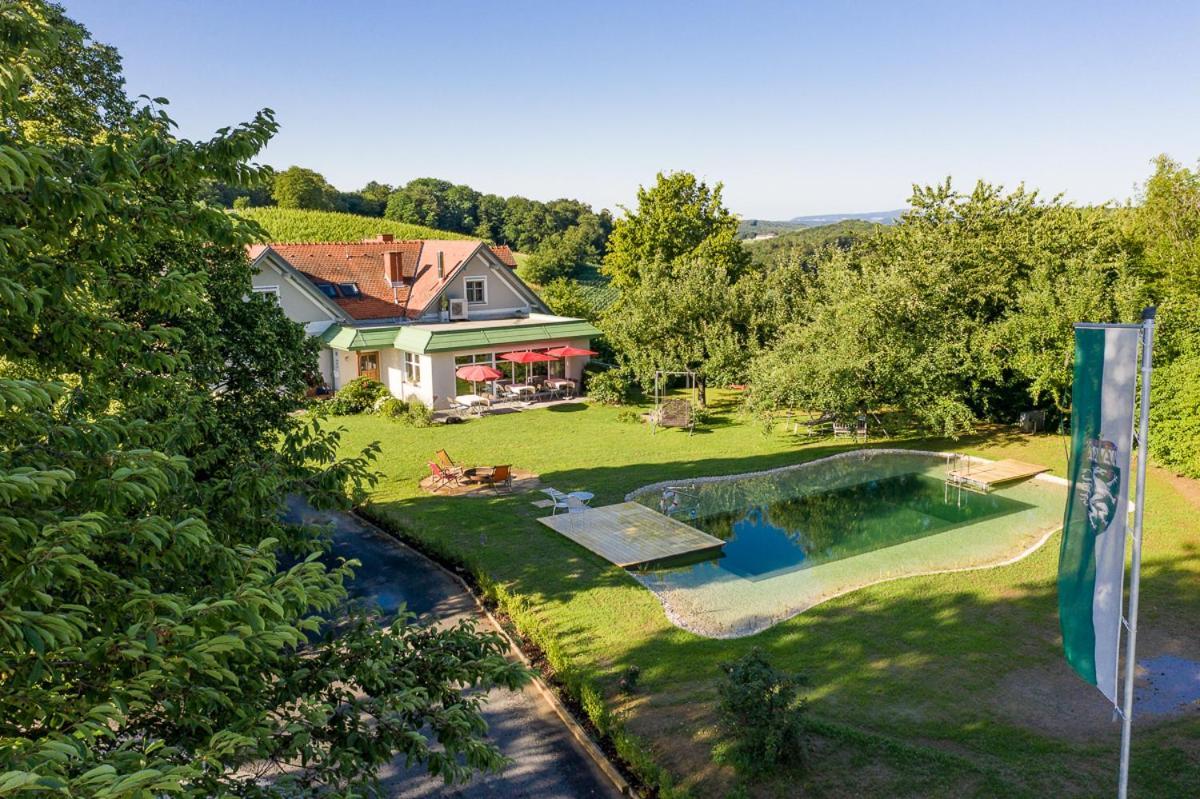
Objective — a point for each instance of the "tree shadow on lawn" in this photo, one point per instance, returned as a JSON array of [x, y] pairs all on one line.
[[936, 692]]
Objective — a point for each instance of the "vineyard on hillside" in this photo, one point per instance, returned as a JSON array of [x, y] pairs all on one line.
[[294, 225]]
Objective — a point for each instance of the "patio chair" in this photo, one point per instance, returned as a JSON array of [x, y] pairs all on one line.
[[500, 477], [447, 463], [441, 477], [557, 497], [575, 504]]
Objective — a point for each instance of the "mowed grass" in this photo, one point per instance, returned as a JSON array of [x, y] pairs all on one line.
[[946, 685]]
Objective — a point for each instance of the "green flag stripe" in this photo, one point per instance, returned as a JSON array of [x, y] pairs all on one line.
[[1077, 562]]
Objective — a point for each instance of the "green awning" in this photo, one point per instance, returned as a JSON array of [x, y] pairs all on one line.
[[422, 339], [450, 337], [365, 338]]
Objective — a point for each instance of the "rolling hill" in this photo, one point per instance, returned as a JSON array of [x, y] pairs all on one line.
[[295, 225], [749, 228], [807, 240]]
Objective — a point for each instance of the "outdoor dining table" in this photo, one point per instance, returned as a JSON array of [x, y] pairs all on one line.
[[524, 389], [559, 384], [472, 402]]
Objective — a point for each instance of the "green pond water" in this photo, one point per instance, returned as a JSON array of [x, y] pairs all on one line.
[[798, 536]]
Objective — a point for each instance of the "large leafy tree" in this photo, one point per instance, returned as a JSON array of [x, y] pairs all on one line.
[[961, 312], [678, 217], [678, 265], [161, 632], [560, 254], [1166, 226], [298, 187], [680, 316]]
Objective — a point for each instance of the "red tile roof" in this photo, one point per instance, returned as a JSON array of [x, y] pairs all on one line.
[[362, 262], [504, 254]]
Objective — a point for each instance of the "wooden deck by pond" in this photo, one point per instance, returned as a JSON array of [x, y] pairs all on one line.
[[629, 534], [986, 476]]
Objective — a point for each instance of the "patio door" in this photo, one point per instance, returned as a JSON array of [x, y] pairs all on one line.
[[368, 364]]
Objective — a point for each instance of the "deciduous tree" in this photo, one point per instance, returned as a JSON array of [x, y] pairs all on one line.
[[161, 631], [297, 187], [678, 217]]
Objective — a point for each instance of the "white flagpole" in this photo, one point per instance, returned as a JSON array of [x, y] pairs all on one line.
[[1136, 565]]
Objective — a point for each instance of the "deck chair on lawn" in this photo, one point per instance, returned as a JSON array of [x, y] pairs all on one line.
[[441, 477], [674, 413], [448, 465], [501, 477]]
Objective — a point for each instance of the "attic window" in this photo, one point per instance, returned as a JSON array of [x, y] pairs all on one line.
[[329, 290], [349, 290]]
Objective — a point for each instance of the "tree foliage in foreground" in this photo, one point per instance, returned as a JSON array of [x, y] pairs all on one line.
[[161, 632]]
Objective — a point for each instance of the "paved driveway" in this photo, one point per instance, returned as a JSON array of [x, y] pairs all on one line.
[[547, 760]]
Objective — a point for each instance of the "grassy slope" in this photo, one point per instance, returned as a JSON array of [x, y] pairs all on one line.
[[293, 225], [922, 687]]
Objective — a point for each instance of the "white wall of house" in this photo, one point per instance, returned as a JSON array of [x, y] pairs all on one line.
[[501, 298], [345, 368], [299, 305]]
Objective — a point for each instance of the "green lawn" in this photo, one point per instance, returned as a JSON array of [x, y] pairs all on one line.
[[949, 685]]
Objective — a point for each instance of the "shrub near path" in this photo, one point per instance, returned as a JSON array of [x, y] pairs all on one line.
[[948, 685]]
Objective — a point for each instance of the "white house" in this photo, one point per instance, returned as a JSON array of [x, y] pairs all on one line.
[[409, 313]]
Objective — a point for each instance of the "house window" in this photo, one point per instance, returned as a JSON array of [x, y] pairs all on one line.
[[476, 288], [328, 289], [271, 290], [412, 368], [349, 290]]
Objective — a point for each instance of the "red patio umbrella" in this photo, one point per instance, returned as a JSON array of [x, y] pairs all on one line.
[[527, 357], [569, 352], [476, 372]]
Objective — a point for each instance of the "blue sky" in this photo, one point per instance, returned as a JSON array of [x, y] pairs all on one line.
[[799, 108]]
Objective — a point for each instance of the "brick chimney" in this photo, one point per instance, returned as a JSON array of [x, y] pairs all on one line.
[[384, 237], [392, 268], [441, 265]]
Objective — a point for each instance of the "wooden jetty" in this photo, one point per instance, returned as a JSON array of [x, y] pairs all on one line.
[[986, 476], [630, 534]]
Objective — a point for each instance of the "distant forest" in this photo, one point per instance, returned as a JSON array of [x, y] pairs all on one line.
[[522, 223]]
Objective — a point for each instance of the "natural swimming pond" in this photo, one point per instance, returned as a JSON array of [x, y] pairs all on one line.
[[800, 535]]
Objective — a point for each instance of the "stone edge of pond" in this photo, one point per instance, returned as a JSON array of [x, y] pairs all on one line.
[[725, 478]]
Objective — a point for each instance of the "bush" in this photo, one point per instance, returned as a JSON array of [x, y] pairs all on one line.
[[761, 718], [357, 396], [609, 388], [419, 414], [393, 408], [629, 416]]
